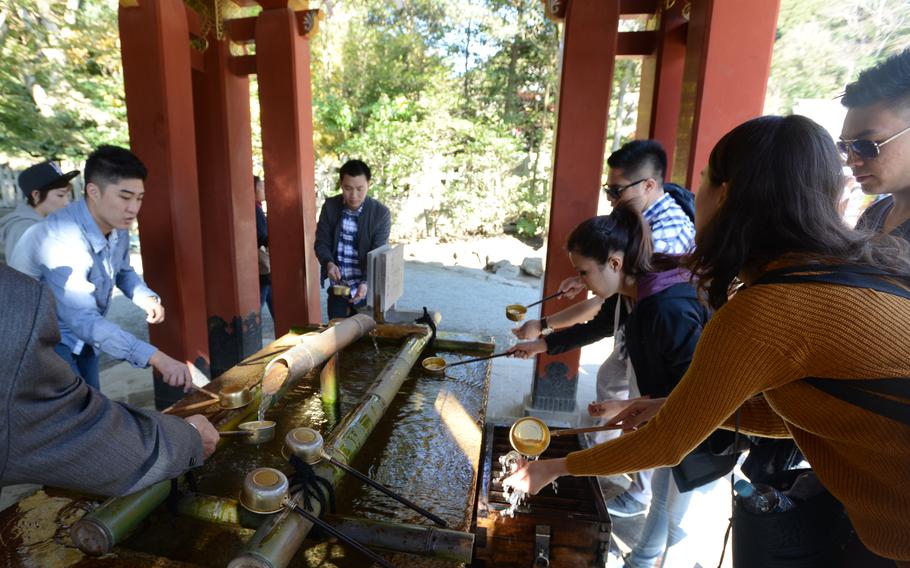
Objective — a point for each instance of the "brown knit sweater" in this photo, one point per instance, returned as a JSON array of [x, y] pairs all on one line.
[[762, 343]]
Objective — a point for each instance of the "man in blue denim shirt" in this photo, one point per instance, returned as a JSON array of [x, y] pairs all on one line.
[[81, 252]]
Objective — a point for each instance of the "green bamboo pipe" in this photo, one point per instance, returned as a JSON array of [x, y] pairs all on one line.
[[281, 535], [99, 531], [434, 542]]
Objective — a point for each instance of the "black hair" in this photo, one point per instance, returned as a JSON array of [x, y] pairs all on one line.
[[110, 164], [42, 194], [354, 168], [624, 230], [635, 155], [887, 82], [784, 179]]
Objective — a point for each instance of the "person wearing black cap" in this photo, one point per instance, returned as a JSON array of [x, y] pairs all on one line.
[[46, 189]]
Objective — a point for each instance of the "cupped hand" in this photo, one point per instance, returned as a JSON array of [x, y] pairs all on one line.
[[528, 330]]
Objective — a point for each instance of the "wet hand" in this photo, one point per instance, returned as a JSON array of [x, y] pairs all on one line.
[[361, 293], [207, 432], [638, 412], [536, 475], [570, 287], [173, 372], [529, 330], [527, 349]]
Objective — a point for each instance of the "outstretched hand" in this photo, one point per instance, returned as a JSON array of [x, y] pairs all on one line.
[[638, 412]]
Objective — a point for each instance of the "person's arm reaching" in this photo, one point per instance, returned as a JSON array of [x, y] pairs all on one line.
[[581, 334], [63, 433], [67, 273], [721, 378]]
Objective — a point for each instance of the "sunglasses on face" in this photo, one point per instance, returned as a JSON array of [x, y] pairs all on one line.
[[614, 191], [865, 149]]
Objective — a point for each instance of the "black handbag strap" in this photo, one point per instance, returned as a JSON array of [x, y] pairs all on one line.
[[874, 395]]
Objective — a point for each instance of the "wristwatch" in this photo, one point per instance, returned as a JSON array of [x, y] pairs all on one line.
[[545, 330]]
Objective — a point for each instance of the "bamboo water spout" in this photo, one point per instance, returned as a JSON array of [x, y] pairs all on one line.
[[314, 350], [278, 539], [434, 542], [99, 531]]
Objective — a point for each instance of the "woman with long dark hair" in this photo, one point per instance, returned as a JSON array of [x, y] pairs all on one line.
[[612, 254], [809, 312]]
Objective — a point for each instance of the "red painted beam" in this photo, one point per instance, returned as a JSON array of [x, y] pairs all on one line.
[[241, 30], [225, 163], [159, 101], [283, 69], [667, 82], [638, 7], [636, 44], [590, 47], [242, 64], [726, 74]]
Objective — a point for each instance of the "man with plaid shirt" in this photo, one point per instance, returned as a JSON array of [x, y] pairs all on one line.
[[350, 226], [636, 179]]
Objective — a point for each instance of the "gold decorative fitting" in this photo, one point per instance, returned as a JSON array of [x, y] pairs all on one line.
[[212, 15], [555, 9]]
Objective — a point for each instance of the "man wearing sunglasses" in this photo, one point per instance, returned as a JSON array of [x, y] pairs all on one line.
[[636, 179], [875, 142]]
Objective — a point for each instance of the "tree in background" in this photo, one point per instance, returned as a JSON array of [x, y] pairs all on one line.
[[60, 78]]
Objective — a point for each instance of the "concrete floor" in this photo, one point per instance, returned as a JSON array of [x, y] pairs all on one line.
[[470, 300]]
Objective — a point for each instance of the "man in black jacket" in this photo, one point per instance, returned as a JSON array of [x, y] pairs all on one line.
[[350, 226]]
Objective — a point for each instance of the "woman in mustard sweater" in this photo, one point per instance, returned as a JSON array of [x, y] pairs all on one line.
[[767, 201]]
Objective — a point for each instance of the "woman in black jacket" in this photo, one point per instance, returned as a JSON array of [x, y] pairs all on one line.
[[612, 254]]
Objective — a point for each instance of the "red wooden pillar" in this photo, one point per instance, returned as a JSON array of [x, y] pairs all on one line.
[[156, 74], [589, 51], [726, 73], [283, 67], [668, 79], [225, 163]]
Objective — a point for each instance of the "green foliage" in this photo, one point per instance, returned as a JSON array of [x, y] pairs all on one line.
[[60, 78], [449, 102], [821, 45]]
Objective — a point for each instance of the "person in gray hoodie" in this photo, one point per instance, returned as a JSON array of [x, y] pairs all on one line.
[[46, 190]]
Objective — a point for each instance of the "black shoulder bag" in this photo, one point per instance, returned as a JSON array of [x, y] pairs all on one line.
[[816, 533]]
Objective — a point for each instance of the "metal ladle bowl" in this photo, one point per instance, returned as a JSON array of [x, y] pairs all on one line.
[[434, 365], [529, 436], [516, 312], [254, 432], [264, 491], [235, 397]]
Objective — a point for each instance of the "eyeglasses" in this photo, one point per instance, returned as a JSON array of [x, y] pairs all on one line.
[[865, 149], [614, 191]]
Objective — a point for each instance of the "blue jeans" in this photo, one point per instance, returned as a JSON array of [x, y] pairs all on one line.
[[265, 293], [84, 364], [662, 526]]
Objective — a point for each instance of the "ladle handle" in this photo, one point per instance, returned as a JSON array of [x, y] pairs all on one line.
[[211, 395], [477, 359], [570, 431], [187, 407], [341, 536], [236, 433], [382, 488], [550, 297]]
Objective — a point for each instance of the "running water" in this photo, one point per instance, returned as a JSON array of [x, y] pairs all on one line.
[[375, 344], [264, 404]]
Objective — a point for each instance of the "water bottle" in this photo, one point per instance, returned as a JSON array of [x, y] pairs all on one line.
[[761, 499]]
